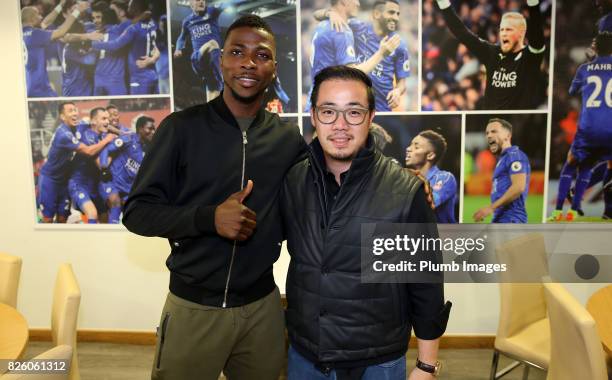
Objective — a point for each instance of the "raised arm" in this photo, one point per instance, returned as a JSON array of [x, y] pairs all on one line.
[[535, 27], [118, 43], [50, 18], [476, 45], [74, 15]]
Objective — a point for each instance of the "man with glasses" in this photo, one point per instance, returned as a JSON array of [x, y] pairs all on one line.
[[338, 326]]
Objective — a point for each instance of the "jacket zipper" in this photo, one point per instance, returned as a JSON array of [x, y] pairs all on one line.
[[229, 272]]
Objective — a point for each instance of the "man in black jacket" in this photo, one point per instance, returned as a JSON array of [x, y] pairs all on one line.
[[210, 185], [336, 323]]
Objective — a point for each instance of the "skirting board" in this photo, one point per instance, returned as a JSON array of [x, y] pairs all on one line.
[[148, 338]]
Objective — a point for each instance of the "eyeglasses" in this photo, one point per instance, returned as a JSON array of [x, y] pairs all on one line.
[[352, 116]]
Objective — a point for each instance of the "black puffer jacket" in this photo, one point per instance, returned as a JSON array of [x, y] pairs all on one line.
[[333, 319]]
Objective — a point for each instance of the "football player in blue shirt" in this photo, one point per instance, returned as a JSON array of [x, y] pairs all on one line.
[[36, 40], [202, 29], [83, 183], [122, 158], [77, 64], [593, 139], [141, 38], [422, 157], [510, 178], [110, 73], [53, 194], [108, 191], [392, 68], [330, 47]]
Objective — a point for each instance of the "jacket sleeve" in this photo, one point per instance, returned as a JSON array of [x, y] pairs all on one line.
[[150, 208], [428, 312]]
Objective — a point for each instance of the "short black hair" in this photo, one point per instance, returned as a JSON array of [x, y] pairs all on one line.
[[143, 120], [60, 107], [112, 107], [342, 73], [383, 2], [108, 15], [603, 43], [504, 123], [249, 21], [437, 141], [95, 111]]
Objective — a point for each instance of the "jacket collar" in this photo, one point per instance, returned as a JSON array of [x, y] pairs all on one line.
[[221, 109], [360, 165]]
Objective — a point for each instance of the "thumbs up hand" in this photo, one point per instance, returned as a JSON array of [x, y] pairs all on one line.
[[233, 220]]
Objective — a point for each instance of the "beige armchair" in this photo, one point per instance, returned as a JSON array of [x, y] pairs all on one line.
[[10, 270], [523, 333], [576, 350], [62, 352], [64, 313]]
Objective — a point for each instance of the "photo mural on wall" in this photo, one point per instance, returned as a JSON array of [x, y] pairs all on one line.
[[101, 75]]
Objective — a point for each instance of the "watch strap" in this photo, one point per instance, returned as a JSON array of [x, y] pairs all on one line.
[[433, 369]]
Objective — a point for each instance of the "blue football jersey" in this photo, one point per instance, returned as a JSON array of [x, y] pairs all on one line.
[[140, 39], [593, 81], [512, 161], [201, 29], [128, 153], [444, 191], [37, 80], [330, 48], [392, 67], [64, 144], [111, 64], [76, 74], [86, 172]]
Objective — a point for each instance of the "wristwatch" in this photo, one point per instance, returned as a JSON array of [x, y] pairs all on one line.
[[433, 369]]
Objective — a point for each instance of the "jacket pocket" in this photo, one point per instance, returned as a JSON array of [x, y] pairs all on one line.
[[162, 339]]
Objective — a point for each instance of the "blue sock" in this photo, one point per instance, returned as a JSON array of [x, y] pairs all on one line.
[[565, 181], [92, 221], [582, 182], [608, 192], [598, 173], [114, 214]]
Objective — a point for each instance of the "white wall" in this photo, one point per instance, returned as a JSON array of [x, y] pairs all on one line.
[[123, 277]]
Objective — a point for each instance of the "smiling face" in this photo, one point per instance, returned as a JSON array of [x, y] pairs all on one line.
[[248, 63], [341, 141], [498, 137], [512, 32], [387, 16], [113, 117], [146, 131], [99, 122], [70, 115], [419, 152]]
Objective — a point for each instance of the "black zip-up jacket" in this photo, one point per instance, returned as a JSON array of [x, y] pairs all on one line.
[[334, 319], [198, 158]]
